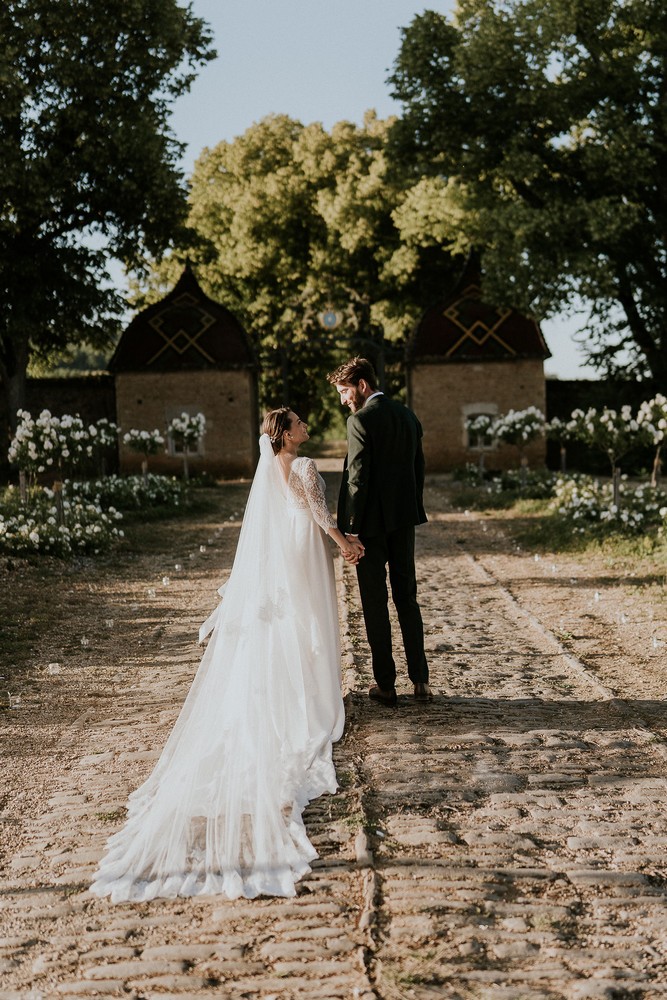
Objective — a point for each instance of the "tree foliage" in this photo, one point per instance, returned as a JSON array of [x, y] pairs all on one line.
[[292, 221], [89, 164], [541, 127]]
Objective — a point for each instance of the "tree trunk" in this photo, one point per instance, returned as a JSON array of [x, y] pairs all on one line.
[[58, 499], [657, 467], [13, 368], [616, 480], [648, 343]]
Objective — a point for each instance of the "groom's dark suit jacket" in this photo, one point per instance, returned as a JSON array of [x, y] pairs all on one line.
[[383, 479]]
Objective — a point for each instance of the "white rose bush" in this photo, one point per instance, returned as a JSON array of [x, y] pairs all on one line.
[[584, 502], [652, 419], [76, 516], [186, 431], [563, 432], [613, 432], [144, 442], [50, 444], [131, 492], [589, 505], [71, 527], [479, 430], [103, 437], [479, 426], [519, 428]]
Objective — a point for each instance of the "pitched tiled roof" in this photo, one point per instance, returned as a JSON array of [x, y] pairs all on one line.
[[463, 327], [185, 331]]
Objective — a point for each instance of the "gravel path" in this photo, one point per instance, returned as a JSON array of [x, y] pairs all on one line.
[[507, 840]]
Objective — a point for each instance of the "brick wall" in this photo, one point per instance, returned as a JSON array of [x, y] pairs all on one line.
[[443, 395], [227, 399]]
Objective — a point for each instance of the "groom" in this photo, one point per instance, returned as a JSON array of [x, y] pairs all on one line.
[[379, 505]]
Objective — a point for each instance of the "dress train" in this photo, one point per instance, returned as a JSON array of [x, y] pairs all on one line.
[[221, 811]]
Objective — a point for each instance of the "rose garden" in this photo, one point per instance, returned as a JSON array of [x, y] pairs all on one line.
[[59, 510]]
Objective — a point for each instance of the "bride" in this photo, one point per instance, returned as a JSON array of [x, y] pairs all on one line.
[[221, 812]]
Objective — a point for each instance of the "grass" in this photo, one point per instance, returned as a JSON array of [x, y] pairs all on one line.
[[477, 498], [202, 501], [111, 817], [534, 526]]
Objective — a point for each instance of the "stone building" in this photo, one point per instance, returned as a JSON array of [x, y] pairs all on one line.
[[189, 354], [467, 357]]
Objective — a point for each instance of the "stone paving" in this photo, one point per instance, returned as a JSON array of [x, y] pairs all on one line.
[[506, 841]]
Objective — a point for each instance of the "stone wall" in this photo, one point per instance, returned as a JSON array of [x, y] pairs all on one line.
[[444, 395], [227, 399]]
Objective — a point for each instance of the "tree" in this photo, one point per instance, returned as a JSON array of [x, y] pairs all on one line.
[[89, 164], [541, 125], [294, 221]]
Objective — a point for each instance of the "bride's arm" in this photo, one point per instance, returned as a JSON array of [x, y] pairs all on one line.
[[312, 485], [350, 550]]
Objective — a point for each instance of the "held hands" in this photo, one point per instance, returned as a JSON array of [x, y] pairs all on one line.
[[353, 550], [350, 547]]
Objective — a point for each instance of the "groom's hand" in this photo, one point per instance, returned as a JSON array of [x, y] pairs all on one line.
[[357, 547]]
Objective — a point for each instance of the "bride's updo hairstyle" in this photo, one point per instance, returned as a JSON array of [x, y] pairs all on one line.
[[275, 423]]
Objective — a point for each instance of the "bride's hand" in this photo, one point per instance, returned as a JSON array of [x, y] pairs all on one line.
[[352, 551]]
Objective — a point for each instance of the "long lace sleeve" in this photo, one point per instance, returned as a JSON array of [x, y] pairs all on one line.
[[313, 488]]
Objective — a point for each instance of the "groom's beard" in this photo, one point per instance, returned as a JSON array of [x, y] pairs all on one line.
[[356, 402]]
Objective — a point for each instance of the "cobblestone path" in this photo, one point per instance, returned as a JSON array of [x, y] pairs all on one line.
[[506, 841]]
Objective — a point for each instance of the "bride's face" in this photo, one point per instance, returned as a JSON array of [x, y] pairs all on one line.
[[298, 429]]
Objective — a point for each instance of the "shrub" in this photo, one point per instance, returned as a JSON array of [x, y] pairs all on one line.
[[589, 505], [78, 526], [132, 492]]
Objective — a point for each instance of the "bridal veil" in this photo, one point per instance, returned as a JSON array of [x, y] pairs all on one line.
[[221, 811]]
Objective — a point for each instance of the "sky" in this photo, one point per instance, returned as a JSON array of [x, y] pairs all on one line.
[[314, 60]]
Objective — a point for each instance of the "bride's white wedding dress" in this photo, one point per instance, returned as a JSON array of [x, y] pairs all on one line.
[[221, 812]]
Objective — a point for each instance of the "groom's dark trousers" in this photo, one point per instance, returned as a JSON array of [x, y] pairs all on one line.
[[381, 502], [397, 551]]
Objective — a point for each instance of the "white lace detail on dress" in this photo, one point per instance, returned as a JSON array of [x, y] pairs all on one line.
[[306, 490]]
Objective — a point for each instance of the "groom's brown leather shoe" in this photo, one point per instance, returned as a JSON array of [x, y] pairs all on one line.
[[423, 692], [388, 698]]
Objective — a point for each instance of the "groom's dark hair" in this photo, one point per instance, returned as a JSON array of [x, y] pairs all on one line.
[[352, 372]]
